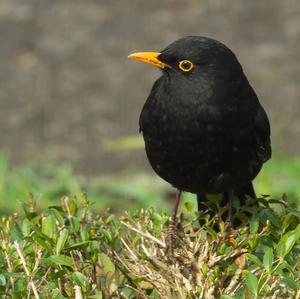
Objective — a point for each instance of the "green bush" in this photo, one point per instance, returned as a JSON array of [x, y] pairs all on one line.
[[65, 251]]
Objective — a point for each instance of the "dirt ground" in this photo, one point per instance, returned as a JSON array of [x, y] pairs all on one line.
[[66, 86]]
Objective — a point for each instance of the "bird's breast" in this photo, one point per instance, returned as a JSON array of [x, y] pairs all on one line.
[[190, 143]]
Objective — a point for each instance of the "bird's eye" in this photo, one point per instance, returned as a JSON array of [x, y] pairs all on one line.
[[186, 65]]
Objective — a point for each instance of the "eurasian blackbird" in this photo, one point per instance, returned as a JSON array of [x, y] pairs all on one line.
[[205, 131]]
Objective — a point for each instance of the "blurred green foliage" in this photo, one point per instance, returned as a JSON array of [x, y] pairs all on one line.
[[48, 182]]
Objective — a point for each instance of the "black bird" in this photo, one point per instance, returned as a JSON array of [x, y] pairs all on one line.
[[205, 131]]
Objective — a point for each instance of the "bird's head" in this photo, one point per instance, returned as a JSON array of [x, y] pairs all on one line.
[[194, 58]]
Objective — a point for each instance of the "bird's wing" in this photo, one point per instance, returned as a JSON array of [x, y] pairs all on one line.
[[262, 134]]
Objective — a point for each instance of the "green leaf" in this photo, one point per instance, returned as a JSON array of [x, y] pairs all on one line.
[[106, 234], [59, 274], [61, 260], [211, 231], [80, 245], [108, 266], [252, 282], [98, 295], [254, 224], [26, 227], [57, 296], [80, 280], [75, 224], [2, 280], [48, 225], [287, 241], [222, 227], [157, 219], [16, 233], [43, 244], [189, 206], [29, 215], [63, 237], [294, 212], [253, 258], [84, 235], [284, 265], [58, 216], [253, 242], [262, 280], [290, 283], [274, 219], [268, 259], [290, 218]]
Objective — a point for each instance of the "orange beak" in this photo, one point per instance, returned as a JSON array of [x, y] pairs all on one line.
[[148, 57]]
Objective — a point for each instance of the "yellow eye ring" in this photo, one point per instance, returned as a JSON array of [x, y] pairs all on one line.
[[186, 65]]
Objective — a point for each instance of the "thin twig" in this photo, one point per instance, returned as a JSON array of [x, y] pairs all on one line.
[[44, 277], [129, 250], [78, 293], [234, 281], [37, 261], [66, 202], [147, 235], [31, 283], [224, 258], [9, 264]]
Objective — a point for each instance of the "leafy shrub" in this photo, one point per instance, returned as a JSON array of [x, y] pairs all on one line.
[[65, 251]]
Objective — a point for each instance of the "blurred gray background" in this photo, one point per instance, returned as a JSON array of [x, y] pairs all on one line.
[[67, 86]]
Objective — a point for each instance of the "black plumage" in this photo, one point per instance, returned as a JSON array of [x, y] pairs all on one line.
[[204, 128]]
